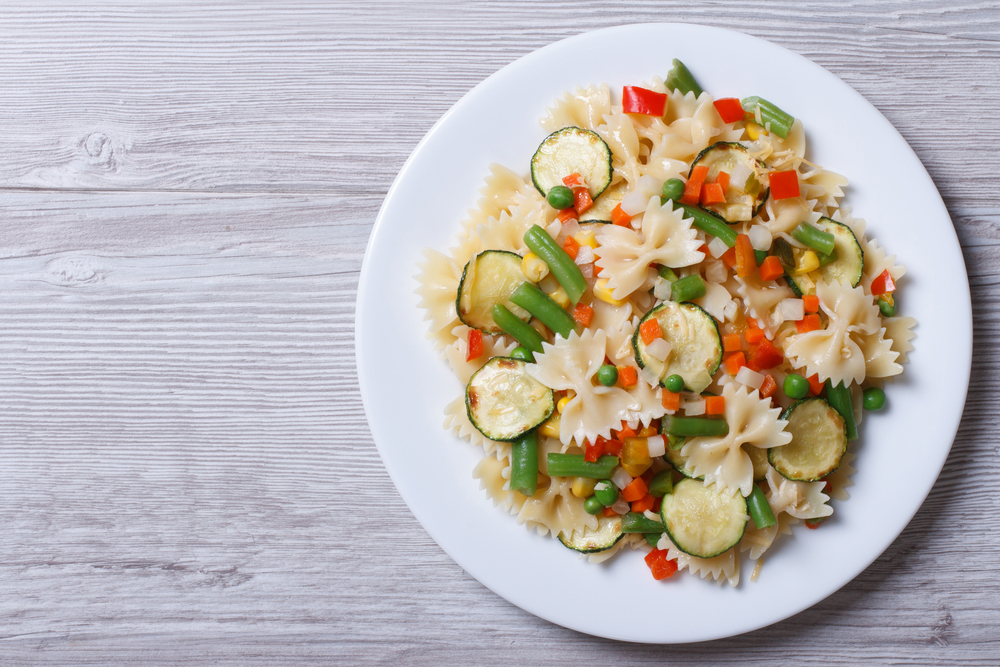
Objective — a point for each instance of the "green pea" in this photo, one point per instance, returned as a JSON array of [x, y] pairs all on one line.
[[874, 398], [607, 375], [675, 383], [673, 189], [592, 505], [796, 386], [606, 493], [886, 308], [560, 197], [522, 354]]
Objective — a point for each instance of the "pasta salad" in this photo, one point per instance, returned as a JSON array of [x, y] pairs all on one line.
[[668, 331]]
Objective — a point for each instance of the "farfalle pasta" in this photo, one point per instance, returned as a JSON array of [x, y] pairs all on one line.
[[668, 328]]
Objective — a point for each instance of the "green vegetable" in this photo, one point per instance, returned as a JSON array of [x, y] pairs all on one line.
[[688, 288], [652, 539], [874, 398], [760, 256], [662, 483], [572, 150], [633, 522], [701, 521], [524, 464], [607, 375], [772, 118], [817, 240], [522, 353], [680, 78], [560, 197], [887, 308], [488, 279], [503, 402], [694, 426], [607, 535], [525, 335], [709, 224], [606, 492], [592, 505], [844, 265], [743, 200], [673, 190], [796, 386], [760, 509], [574, 465], [819, 440], [675, 442], [560, 264], [674, 383], [694, 338], [667, 274], [541, 305], [783, 251], [839, 398]]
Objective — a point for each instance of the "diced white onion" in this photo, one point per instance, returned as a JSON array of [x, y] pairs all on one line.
[[585, 255], [651, 185], [649, 376], [621, 506], [635, 202], [569, 228], [657, 446], [695, 408], [717, 247], [738, 179], [662, 289], [716, 271], [588, 273], [760, 237], [749, 377], [730, 311], [792, 310], [621, 478], [659, 349]]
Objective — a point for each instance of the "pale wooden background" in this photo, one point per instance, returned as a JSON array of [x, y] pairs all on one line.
[[186, 190]]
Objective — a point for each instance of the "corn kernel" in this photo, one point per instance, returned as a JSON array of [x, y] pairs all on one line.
[[583, 487], [635, 456], [550, 428], [602, 292], [586, 238], [807, 262], [755, 131], [534, 268], [560, 297], [563, 402], [646, 432]]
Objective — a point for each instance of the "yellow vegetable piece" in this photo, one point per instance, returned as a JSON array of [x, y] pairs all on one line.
[[560, 297], [755, 131], [583, 487], [807, 262], [550, 428], [602, 292], [635, 456], [586, 238], [561, 405], [646, 432], [534, 268]]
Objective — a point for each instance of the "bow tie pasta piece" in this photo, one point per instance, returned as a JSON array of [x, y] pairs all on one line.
[[761, 301], [571, 364], [900, 331], [721, 460], [584, 107], [724, 566], [503, 191], [666, 238], [803, 500], [876, 261]]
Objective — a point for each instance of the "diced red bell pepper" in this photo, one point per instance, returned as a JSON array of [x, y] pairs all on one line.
[[643, 101], [593, 451], [768, 387], [883, 283], [730, 109], [764, 355], [582, 199], [661, 566], [613, 447], [784, 184], [815, 386], [475, 345]]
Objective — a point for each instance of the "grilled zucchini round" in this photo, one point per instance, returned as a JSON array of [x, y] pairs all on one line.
[[743, 200], [504, 402], [489, 278], [568, 151], [819, 441]]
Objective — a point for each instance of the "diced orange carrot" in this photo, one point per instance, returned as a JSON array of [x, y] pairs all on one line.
[[671, 401], [593, 451], [613, 447], [608, 512], [628, 376], [644, 504], [729, 257], [752, 323], [711, 193], [715, 405], [734, 362], [731, 343], [771, 269], [583, 314], [723, 180], [746, 260], [571, 247], [692, 189], [808, 323], [566, 214], [650, 330], [620, 217], [635, 490], [572, 180], [768, 387], [625, 431], [811, 303], [755, 335], [815, 386], [582, 199]]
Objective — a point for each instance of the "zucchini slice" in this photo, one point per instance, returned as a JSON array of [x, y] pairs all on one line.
[[489, 278], [503, 401], [819, 440], [572, 150], [846, 268], [676, 459], [758, 457], [743, 199], [696, 347], [605, 204], [607, 535], [702, 522]]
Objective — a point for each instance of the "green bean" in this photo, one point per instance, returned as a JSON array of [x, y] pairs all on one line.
[[760, 509], [694, 426], [522, 353], [574, 465], [524, 464], [674, 383], [662, 483], [839, 398], [541, 305], [672, 190], [826, 259], [607, 375], [796, 386], [606, 492], [887, 306], [560, 197], [709, 224], [592, 505], [760, 256], [874, 399], [633, 522], [688, 288], [676, 441], [512, 324], [680, 78], [816, 239], [560, 264], [772, 118], [668, 274], [652, 539]]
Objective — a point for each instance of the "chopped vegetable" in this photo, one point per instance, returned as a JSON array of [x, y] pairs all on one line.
[[712, 193], [692, 189], [628, 376], [680, 78], [746, 262], [819, 241], [635, 490], [715, 405], [774, 119], [734, 362], [839, 398], [562, 266], [810, 302], [475, 345], [533, 300], [874, 398], [883, 284], [571, 247], [722, 179], [583, 314], [784, 184], [650, 330], [592, 451], [709, 224], [771, 269], [796, 386], [768, 387], [582, 200], [607, 375], [662, 483], [729, 109], [574, 465], [764, 355], [567, 214], [671, 400], [602, 292], [760, 509], [636, 522], [620, 217], [560, 197], [511, 324], [887, 305], [815, 385], [694, 426], [635, 456], [524, 464], [754, 335], [659, 564], [688, 288], [673, 190], [808, 323], [643, 101], [730, 343]]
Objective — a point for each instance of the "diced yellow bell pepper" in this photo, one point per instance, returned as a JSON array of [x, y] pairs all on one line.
[[602, 292], [583, 487], [586, 238], [550, 428], [646, 432], [807, 262], [534, 268], [755, 131], [635, 456]]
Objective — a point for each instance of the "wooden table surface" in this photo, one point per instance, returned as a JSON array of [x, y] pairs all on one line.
[[186, 191]]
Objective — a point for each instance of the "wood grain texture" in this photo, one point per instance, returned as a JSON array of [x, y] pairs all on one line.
[[185, 198]]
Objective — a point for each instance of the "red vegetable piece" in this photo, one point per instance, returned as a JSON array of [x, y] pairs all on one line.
[[730, 109], [784, 184], [883, 284], [594, 451], [643, 101], [692, 189], [764, 355], [475, 345]]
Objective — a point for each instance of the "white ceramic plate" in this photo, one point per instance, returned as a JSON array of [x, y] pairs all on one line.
[[405, 385]]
